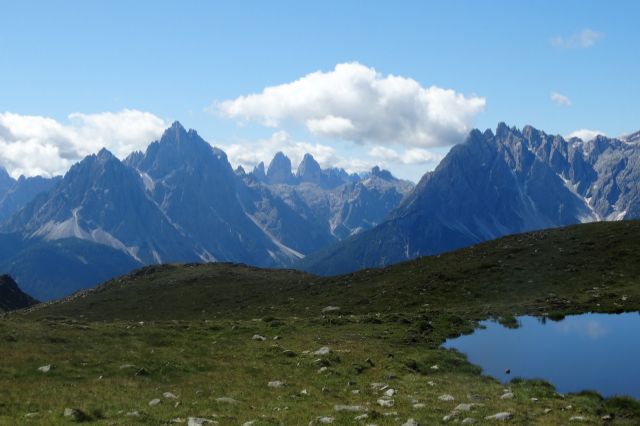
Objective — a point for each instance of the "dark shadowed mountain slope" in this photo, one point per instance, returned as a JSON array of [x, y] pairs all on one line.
[[493, 185], [11, 297]]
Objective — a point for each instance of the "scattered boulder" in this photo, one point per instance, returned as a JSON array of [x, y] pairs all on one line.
[[154, 402], [276, 384], [169, 395], [361, 417], [259, 338], [446, 397], [411, 422], [199, 421], [419, 405], [46, 368], [390, 392], [330, 309], [503, 416], [578, 419], [349, 408], [507, 395], [75, 414], [227, 400], [386, 403], [325, 350], [469, 421]]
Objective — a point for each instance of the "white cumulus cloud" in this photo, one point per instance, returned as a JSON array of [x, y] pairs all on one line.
[[356, 103], [580, 40], [585, 134], [560, 99], [34, 145]]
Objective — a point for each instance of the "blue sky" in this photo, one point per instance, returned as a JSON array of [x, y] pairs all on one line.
[[180, 60]]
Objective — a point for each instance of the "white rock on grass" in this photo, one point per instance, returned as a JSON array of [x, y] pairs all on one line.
[[578, 419], [227, 400], [154, 402], [199, 421], [361, 417], [419, 405], [469, 421], [507, 395], [45, 368], [386, 403], [276, 384], [325, 350], [330, 309], [325, 420], [390, 392], [349, 408], [446, 397], [503, 416], [411, 422], [258, 338], [169, 395]]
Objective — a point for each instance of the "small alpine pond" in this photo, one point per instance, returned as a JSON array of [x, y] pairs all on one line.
[[599, 352]]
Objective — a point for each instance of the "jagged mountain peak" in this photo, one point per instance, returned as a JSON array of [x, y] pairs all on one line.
[[381, 173], [309, 170], [279, 170]]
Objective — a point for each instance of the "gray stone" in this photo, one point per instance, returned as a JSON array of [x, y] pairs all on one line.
[[154, 402], [169, 395], [46, 368], [227, 400], [386, 403], [75, 414], [276, 384], [446, 397], [502, 416], [325, 350], [259, 338], [349, 408]]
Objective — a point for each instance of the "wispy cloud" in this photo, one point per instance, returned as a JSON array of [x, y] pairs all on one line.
[[580, 40], [356, 103], [560, 99]]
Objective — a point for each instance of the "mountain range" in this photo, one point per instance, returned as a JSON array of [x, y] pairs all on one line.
[[495, 184], [181, 201]]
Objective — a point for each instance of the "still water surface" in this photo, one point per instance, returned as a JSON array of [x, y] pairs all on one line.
[[598, 352]]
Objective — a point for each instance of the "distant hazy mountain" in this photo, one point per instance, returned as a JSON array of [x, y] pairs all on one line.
[[179, 201], [334, 202], [497, 184], [22, 192]]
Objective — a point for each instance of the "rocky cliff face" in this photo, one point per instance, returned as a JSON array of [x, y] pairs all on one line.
[[496, 184]]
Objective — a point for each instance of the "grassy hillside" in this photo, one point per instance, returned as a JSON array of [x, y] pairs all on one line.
[[188, 330]]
